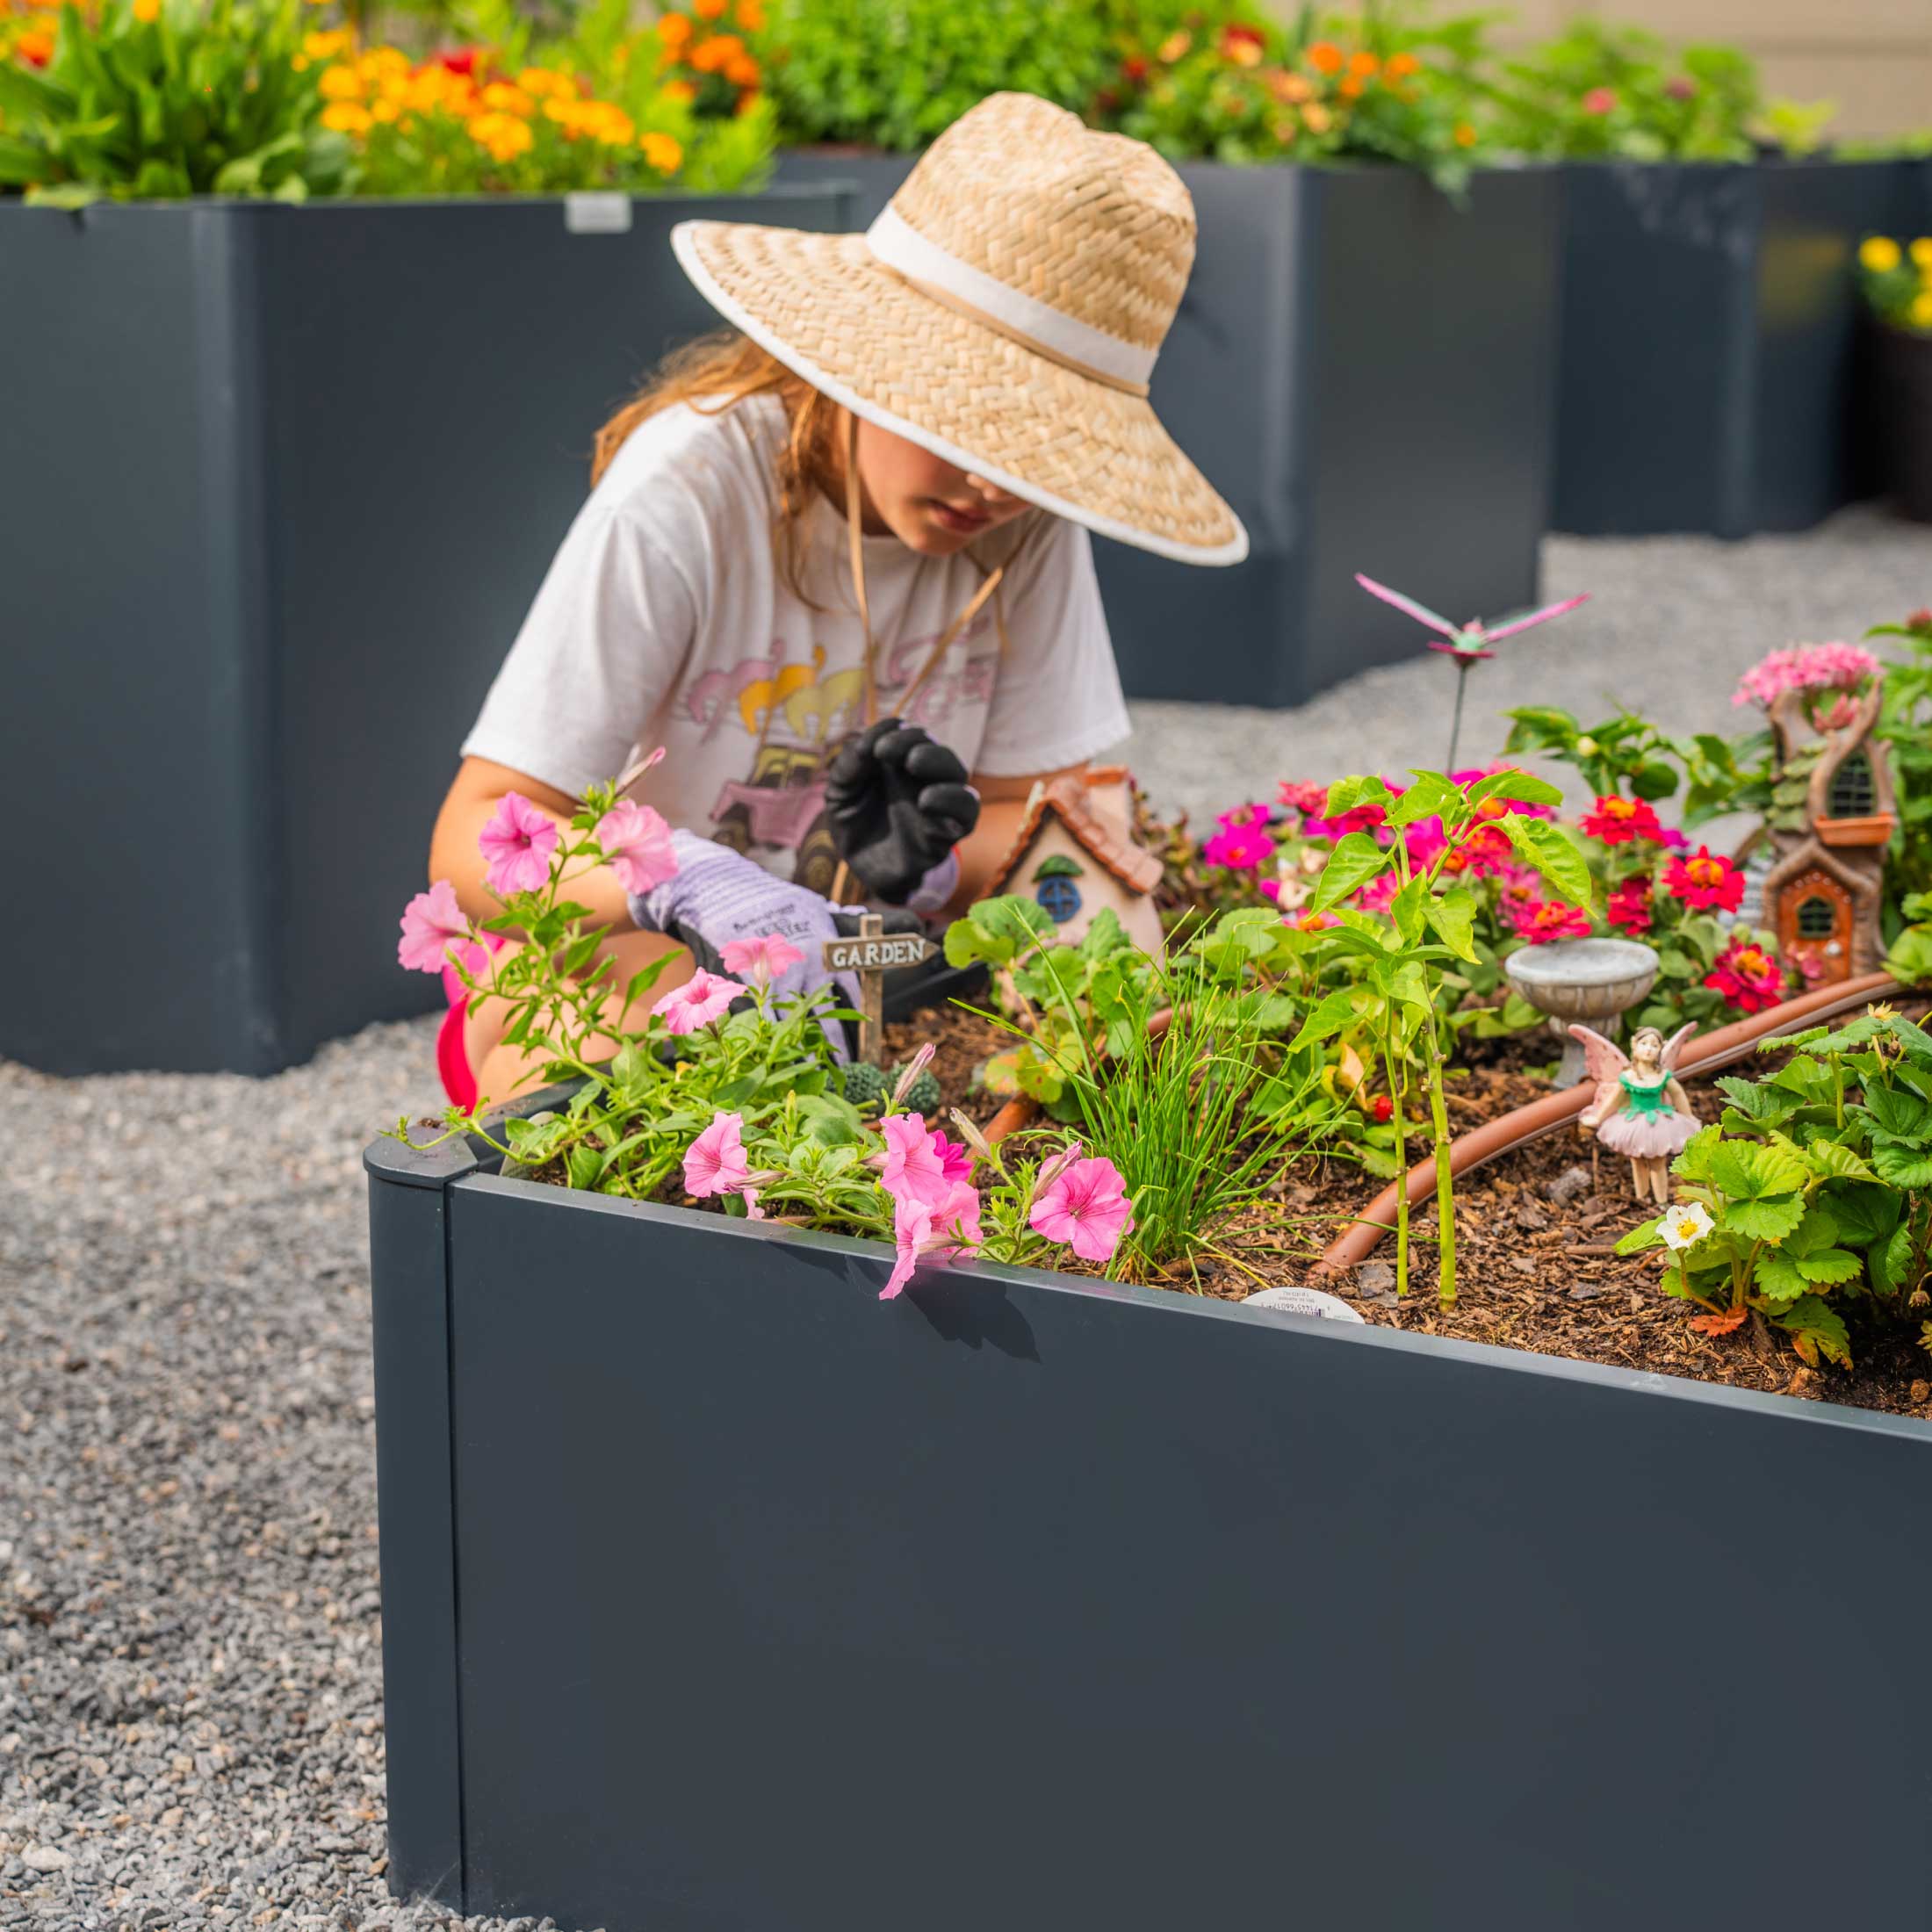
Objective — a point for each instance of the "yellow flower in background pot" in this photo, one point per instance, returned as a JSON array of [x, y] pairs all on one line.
[[1921, 253], [1920, 311], [661, 151], [146, 12], [346, 117], [506, 99], [340, 84], [1880, 253]]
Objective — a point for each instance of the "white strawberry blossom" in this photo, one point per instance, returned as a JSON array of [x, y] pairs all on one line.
[[1684, 1227]]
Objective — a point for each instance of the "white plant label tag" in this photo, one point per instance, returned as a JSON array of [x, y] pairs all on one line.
[[1326, 1308], [597, 213]]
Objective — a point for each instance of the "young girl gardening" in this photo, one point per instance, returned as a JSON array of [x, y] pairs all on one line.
[[836, 562]]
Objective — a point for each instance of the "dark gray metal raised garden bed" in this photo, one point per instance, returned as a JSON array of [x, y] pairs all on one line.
[[1710, 343], [1366, 371], [719, 1594], [282, 482]]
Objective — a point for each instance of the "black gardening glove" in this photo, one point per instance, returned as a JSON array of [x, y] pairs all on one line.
[[896, 803]]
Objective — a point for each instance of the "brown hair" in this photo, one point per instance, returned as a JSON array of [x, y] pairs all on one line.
[[718, 372]]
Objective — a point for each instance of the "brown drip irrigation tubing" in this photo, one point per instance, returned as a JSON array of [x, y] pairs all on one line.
[[1703, 1055]]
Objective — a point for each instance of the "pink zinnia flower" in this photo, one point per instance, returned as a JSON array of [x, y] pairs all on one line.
[[1243, 841], [637, 843], [517, 841], [715, 1163], [955, 1162], [1616, 821], [1376, 895], [1630, 906], [1545, 919], [430, 922], [1599, 100], [697, 1002], [1482, 851], [759, 961], [1298, 795], [1085, 1206], [1705, 879], [911, 1168]]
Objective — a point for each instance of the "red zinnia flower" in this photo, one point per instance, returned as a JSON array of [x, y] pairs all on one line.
[[1545, 919], [1630, 906], [1480, 853], [1747, 978], [1616, 821], [1304, 796], [1705, 879], [462, 61]]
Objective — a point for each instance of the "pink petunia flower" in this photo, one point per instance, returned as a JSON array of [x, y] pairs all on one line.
[[430, 922], [1309, 922], [715, 1163], [517, 841], [759, 961], [944, 1227], [1085, 1206], [911, 1168], [637, 843], [697, 1002], [955, 1162]]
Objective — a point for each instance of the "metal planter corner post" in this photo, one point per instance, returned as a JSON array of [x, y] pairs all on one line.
[[283, 482], [1709, 332], [718, 1594], [1366, 371]]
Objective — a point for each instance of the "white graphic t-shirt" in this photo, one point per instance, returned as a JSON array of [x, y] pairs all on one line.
[[664, 620]]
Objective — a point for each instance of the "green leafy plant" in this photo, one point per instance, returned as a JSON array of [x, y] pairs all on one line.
[[1813, 1194], [1906, 725], [169, 98], [1627, 754]]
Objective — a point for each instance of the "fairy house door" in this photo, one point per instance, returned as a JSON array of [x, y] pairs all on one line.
[[1814, 926]]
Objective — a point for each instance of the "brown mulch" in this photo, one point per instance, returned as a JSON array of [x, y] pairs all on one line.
[[961, 1040]]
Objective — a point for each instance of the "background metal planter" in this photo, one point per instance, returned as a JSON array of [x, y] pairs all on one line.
[[1366, 371], [715, 1593], [282, 484], [1710, 344]]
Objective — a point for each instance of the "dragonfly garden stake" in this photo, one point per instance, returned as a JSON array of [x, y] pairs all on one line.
[[1467, 644]]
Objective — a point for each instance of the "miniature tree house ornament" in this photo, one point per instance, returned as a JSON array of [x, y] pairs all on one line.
[[869, 956], [1832, 812], [1074, 853], [1469, 643], [1641, 1110]]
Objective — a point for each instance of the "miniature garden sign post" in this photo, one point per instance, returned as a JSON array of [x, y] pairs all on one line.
[[869, 956]]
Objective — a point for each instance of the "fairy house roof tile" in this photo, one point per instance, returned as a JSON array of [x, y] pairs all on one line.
[[1066, 798]]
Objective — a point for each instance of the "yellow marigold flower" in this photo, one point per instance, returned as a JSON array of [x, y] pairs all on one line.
[[1921, 310], [1921, 251], [386, 110], [742, 71], [1363, 64], [1880, 253], [1466, 135], [1316, 119], [507, 99], [618, 131], [708, 9], [1175, 45], [382, 61], [661, 151], [1401, 65], [680, 91], [146, 11], [540, 81], [300, 62], [346, 117], [674, 29], [562, 111], [340, 84]]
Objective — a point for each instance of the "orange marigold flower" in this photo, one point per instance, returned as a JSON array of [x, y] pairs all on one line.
[[340, 84], [742, 71], [1325, 57], [708, 10], [1466, 135], [709, 56], [1175, 45], [680, 91], [1401, 65], [751, 16], [1364, 63], [346, 117], [661, 151], [1350, 88], [674, 29]]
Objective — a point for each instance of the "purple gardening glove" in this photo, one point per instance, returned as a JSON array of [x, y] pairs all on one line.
[[717, 895]]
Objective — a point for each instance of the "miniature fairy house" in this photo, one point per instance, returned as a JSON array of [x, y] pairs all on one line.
[[1831, 818], [1074, 853]]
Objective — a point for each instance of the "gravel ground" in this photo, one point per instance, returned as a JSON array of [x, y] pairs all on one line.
[[190, 1682]]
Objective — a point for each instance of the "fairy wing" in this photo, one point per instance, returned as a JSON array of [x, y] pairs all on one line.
[[1674, 1045], [1421, 613], [1492, 632], [1604, 1058]]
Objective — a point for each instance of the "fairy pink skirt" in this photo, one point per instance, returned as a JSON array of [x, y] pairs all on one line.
[[452, 1060], [1651, 1137]]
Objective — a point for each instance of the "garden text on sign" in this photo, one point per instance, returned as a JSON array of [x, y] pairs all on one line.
[[871, 954]]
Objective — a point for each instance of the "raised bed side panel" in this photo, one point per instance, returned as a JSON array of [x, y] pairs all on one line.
[[1021, 1603], [131, 588]]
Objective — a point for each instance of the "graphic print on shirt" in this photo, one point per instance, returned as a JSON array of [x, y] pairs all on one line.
[[796, 713]]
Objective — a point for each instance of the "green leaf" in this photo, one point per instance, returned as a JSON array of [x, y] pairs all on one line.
[[585, 1166], [1331, 1014], [1829, 1267], [1646, 1234], [1562, 867], [1525, 787], [1431, 796], [1764, 1219], [1694, 1163], [1453, 917], [1897, 1110], [1405, 910], [1836, 1161], [1777, 1276], [996, 931], [1354, 862], [1653, 779], [1347, 793], [1817, 1323], [1903, 1164]]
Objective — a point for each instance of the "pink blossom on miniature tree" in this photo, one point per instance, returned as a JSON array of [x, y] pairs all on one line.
[[432, 922], [517, 841], [637, 842], [1085, 1206], [705, 997]]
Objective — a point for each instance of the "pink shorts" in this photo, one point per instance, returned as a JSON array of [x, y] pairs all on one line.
[[452, 1059]]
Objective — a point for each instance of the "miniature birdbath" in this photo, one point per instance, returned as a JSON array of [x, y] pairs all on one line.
[[1594, 980]]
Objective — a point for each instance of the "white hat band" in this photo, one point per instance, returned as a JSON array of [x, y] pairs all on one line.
[[1034, 324]]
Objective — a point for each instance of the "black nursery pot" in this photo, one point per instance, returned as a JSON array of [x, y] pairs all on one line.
[[1708, 343], [1901, 425], [282, 483], [1365, 370], [716, 1593]]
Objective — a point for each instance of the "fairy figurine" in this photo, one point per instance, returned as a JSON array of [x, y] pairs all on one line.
[[1641, 1110]]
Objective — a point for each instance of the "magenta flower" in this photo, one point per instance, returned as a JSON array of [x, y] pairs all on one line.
[[430, 922], [697, 1002], [715, 1163], [1542, 920], [955, 1162], [1085, 1206], [517, 841], [1599, 100], [911, 1168], [1242, 843], [637, 842], [759, 961]]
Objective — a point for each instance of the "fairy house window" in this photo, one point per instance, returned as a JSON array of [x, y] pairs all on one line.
[[1816, 918], [1854, 791], [1073, 853]]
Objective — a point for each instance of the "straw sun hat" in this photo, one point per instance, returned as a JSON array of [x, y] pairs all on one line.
[[1004, 313]]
